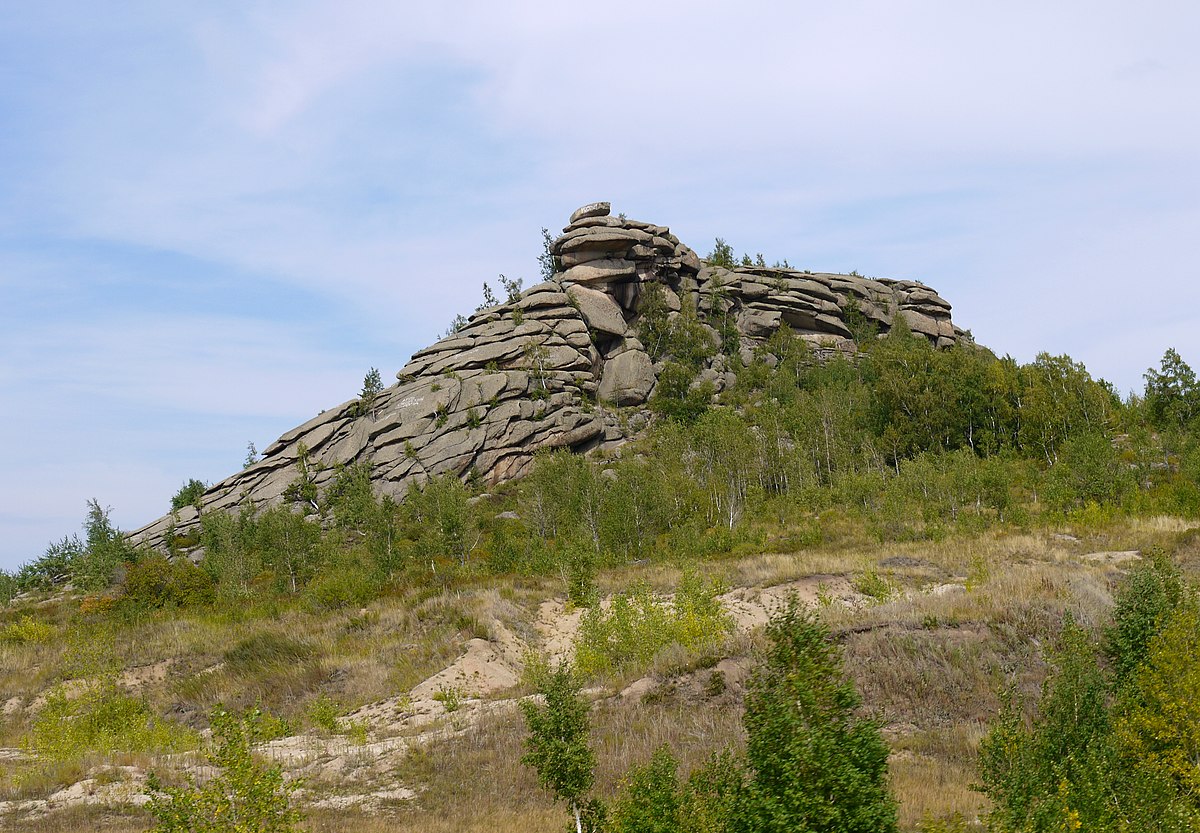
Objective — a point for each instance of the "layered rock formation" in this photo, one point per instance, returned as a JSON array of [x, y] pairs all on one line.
[[549, 369]]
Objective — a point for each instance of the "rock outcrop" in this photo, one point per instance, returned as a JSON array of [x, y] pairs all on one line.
[[548, 369]]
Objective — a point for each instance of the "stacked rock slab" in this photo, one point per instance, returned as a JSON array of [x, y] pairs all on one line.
[[548, 369]]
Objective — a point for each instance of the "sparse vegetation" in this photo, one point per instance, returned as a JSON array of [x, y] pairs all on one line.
[[245, 795]]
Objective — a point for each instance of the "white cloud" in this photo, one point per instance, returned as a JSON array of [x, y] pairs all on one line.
[[1034, 162]]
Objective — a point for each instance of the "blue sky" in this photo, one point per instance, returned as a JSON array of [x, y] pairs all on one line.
[[214, 218]]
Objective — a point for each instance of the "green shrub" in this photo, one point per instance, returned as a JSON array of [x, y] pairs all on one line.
[[450, 698], [581, 578], [245, 795], [8, 587], [637, 625], [105, 550], [871, 584], [814, 764], [189, 494], [442, 520], [1152, 591], [1067, 770], [1159, 725], [26, 631], [676, 398], [156, 583], [323, 713], [650, 797], [708, 798], [348, 580], [102, 720]]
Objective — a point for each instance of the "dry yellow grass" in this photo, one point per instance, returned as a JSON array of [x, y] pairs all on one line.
[[969, 615]]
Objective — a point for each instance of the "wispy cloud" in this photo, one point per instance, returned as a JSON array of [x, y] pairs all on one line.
[[214, 218]]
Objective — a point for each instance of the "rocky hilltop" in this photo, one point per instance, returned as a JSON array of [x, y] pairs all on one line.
[[548, 369]]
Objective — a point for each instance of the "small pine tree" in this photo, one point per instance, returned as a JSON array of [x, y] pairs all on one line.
[[814, 764], [189, 494], [547, 262], [722, 255], [371, 388], [105, 549]]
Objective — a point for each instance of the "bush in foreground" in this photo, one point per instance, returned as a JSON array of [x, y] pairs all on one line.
[[246, 797]]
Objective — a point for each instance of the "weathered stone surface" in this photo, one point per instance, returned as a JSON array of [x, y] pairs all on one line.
[[599, 310], [759, 322], [603, 240], [569, 259], [599, 271], [627, 379], [519, 376], [592, 209]]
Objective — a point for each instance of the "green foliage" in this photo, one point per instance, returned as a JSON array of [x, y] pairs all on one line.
[[512, 289], [372, 386], [90, 563], [1172, 397], [348, 579], [814, 764], [102, 719], [278, 545], [709, 797], [348, 499], [231, 555], [676, 398], [155, 583], [489, 298], [264, 651], [245, 797], [323, 713], [722, 318], [637, 625], [450, 698], [288, 544], [105, 549], [722, 255], [303, 489], [668, 334], [1159, 727], [1088, 470], [871, 584], [581, 577], [26, 631], [457, 323], [862, 329], [1150, 594], [442, 519], [189, 494], [563, 498], [1067, 769], [547, 262], [557, 746], [650, 800], [8, 587]]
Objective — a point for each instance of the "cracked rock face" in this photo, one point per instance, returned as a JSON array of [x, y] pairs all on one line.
[[545, 370]]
